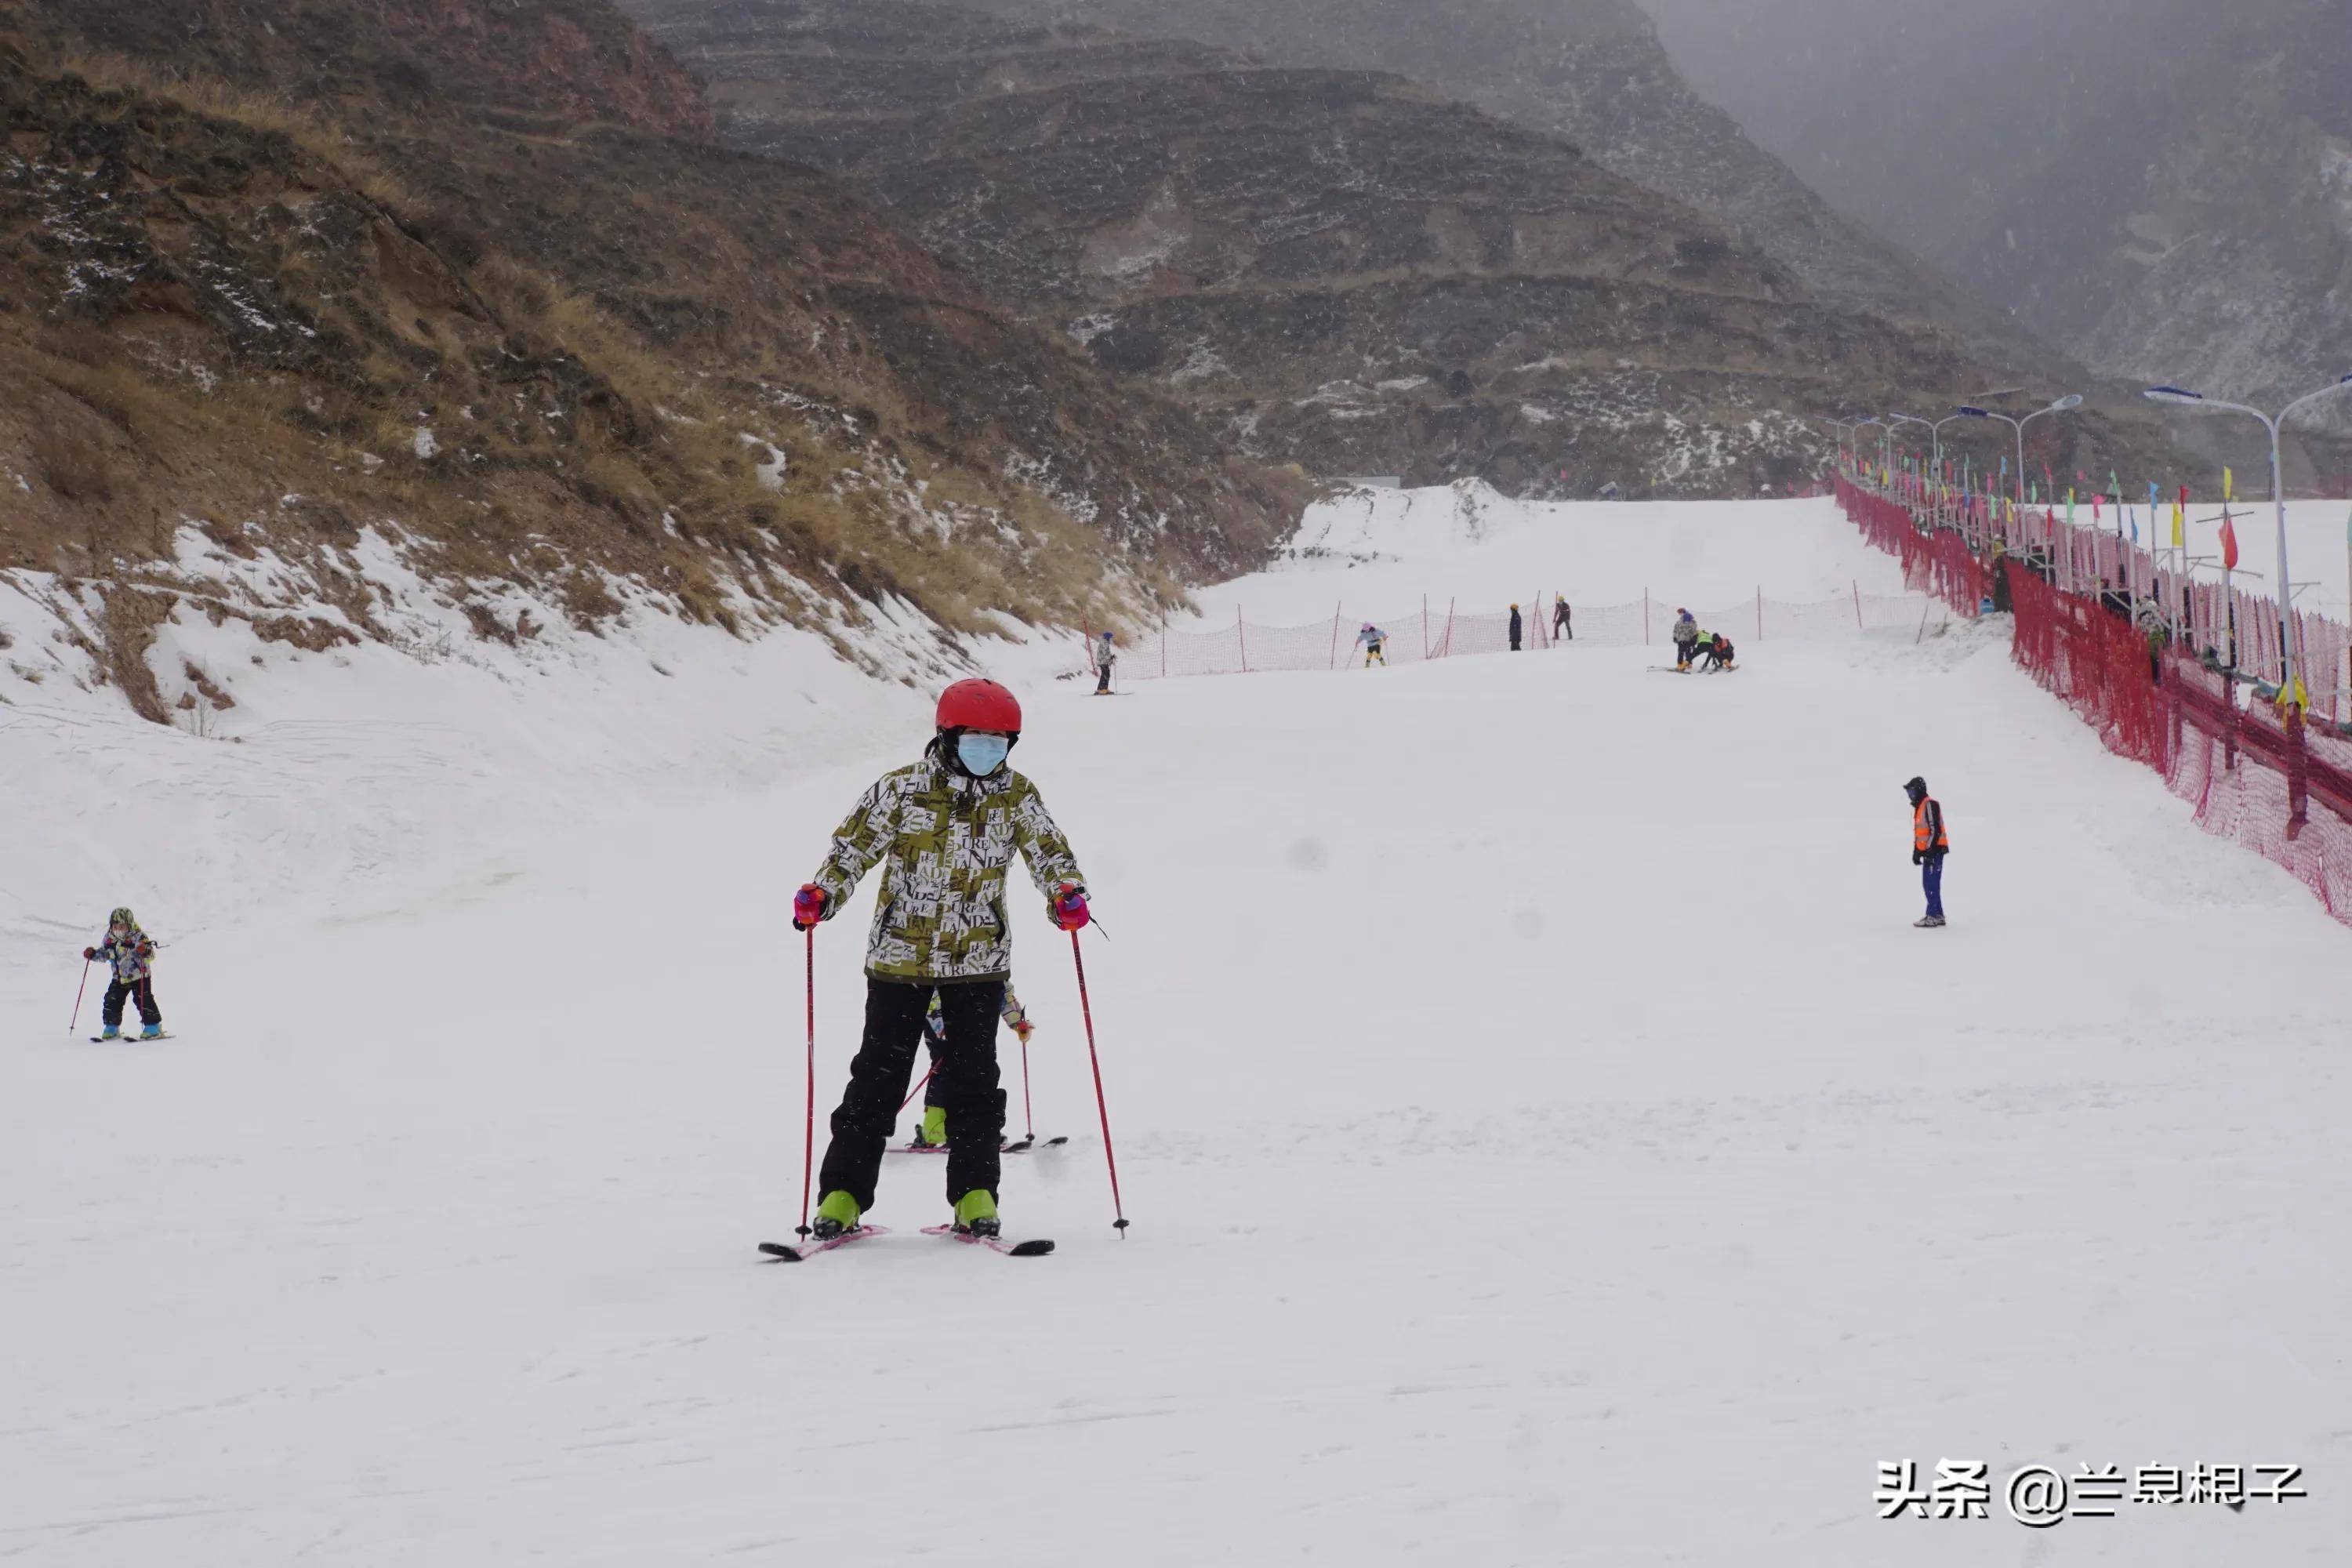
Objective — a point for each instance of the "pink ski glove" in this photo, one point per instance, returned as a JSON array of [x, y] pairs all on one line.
[[808, 906], [1070, 907]]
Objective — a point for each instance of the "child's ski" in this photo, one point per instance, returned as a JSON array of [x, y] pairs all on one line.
[[108, 1040], [805, 1250], [1021, 1146], [1034, 1248]]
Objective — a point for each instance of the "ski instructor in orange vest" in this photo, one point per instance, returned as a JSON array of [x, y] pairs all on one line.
[[1929, 845]]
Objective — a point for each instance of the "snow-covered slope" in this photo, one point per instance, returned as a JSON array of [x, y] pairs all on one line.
[[1547, 1140]]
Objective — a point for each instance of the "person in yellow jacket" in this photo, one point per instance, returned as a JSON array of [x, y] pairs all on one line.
[[1930, 842]]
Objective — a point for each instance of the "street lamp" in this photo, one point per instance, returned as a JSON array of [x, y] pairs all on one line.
[[1935, 433], [2290, 649], [1886, 437], [2072, 400], [1843, 426]]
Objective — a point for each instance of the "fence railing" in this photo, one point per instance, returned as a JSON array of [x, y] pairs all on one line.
[[2144, 653], [1444, 630]]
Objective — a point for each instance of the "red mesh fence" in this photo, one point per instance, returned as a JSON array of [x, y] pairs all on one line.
[[2162, 666]]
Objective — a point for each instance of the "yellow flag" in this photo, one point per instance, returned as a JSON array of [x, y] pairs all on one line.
[[2180, 528], [2229, 484]]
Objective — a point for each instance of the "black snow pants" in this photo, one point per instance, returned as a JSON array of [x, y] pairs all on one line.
[[965, 1082], [142, 990]]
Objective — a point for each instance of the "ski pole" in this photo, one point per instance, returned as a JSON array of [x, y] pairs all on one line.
[[1028, 1120], [919, 1085], [78, 995], [808, 1134], [1110, 1158]]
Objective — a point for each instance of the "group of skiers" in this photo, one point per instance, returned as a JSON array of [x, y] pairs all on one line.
[[1693, 645], [943, 830]]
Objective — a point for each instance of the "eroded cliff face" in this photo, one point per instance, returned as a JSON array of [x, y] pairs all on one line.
[[1593, 73], [1342, 270], [2156, 184]]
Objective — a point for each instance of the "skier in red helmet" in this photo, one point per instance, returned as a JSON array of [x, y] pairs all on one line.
[[944, 831]]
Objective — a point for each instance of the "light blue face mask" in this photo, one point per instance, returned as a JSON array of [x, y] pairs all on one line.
[[981, 755]]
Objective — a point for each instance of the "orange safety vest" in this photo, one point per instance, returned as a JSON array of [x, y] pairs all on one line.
[[1923, 837]]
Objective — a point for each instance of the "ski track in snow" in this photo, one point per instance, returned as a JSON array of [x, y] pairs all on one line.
[[1547, 1138]]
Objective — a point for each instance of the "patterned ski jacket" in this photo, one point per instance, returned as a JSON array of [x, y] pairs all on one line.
[[131, 956], [945, 842]]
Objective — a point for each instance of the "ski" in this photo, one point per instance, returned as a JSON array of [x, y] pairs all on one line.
[[1022, 1145], [103, 1040], [803, 1251], [1036, 1246]]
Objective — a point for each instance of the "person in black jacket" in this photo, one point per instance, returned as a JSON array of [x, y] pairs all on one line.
[[1929, 844], [1514, 628]]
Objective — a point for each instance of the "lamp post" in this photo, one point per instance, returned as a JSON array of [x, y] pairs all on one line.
[[1844, 428], [1969, 411], [1934, 438], [2291, 660], [1886, 436]]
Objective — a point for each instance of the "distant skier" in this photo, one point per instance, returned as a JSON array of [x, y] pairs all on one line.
[[1717, 650], [1514, 628], [943, 830], [1106, 655], [1374, 642], [130, 952], [933, 1132], [1686, 638], [1562, 628], [1929, 845]]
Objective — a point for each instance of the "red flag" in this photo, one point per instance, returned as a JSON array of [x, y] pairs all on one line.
[[2229, 545]]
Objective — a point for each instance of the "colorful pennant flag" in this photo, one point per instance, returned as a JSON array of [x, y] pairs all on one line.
[[2229, 542]]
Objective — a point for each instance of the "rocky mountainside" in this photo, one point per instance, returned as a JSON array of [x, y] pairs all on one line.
[[1593, 72], [2163, 186], [1344, 268], [472, 278]]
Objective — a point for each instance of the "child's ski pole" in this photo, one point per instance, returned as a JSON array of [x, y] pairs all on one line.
[[1102, 1106], [1028, 1119], [808, 1134], [78, 994], [920, 1084]]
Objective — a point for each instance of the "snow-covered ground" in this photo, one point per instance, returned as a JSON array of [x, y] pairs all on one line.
[[1547, 1138]]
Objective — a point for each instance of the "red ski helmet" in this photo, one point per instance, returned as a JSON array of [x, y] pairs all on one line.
[[979, 704]]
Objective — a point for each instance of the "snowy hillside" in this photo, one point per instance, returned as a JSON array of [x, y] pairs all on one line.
[[1546, 1138]]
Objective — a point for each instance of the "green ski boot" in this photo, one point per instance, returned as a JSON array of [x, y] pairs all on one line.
[[975, 1214], [836, 1212], [934, 1130]]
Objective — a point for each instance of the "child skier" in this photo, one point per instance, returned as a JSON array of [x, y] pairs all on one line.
[[1372, 640], [1686, 638], [1105, 656], [933, 1132], [130, 954], [944, 831], [1717, 650]]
